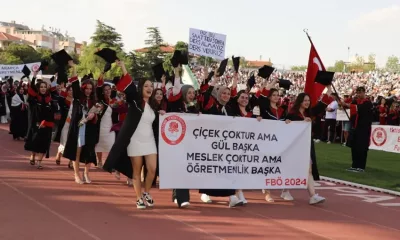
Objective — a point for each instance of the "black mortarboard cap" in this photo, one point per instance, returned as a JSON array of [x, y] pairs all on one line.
[[43, 65], [222, 67], [62, 76], [158, 71], [184, 60], [107, 54], [265, 71], [251, 81], [210, 75], [61, 58], [26, 71], [285, 84], [236, 62], [176, 58], [325, 78]]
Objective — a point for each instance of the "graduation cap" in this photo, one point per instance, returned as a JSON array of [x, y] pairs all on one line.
[[179, 57], [43, 65], [26, 71], [222, 67], [325, 78], [184, 60], [265, 72], [107, 54], [62, 76], [158, 71], [285, 84], [210, 75], [61, 58], [251, 81], [236, 62]]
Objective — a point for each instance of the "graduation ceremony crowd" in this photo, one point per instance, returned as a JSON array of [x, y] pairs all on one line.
[[89, 118]]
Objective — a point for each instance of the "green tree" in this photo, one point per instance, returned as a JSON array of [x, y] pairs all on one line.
[[298, 68], [339, 66], [106, 36], [154, 37], [25, 53], [392, 64], [91, 63], [7, 58], [371, 64]]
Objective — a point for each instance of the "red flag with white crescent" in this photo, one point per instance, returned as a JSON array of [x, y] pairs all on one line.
[[314, 65]]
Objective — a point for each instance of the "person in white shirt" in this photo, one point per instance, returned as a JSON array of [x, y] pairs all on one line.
[[330, 120]]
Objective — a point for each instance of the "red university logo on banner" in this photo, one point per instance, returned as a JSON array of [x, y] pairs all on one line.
[[173, 130], [379, 136]]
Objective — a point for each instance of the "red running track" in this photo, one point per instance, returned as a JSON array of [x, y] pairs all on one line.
[[47, 204]]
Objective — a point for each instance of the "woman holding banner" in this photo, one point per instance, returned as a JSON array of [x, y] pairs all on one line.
[[301, 111], [216, 101], [269, 109], [181, 98]]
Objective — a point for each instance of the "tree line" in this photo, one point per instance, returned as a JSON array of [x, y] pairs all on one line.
[[140, 63]]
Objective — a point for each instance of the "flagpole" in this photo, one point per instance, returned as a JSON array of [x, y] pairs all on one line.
[[305, 30]]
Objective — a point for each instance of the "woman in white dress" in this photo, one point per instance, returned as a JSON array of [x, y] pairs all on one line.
[[106, 136], [136, 141]]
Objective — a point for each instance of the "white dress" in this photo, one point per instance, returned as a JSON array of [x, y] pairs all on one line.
[[106, 138], [64, 132], [142, 141]]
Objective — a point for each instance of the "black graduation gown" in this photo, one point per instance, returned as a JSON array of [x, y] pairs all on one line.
[[64, 105], [314, 168], [118, 158], [42, 111], [88, 154], [3, 110], [211, 106], [361, 118], [19, 122], [269, 113]]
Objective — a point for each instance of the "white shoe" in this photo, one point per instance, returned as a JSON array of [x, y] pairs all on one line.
[[317, 140], [205, 198], [316, 199], [329, 142], [241, 197], [286, 196], [183, 205], [234, 201]]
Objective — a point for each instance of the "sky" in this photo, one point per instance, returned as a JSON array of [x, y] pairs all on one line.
[[254, 28]]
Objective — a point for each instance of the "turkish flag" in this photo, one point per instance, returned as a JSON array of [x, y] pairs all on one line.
[[314, 65]]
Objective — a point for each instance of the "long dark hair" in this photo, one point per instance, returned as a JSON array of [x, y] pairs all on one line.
[[153, 102], [92, 97], [297, 103], [140, 95]]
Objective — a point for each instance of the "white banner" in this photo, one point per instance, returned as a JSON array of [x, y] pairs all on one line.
[[207, 44], [385, 138], [15, 70], [341, 115], [219, 152]]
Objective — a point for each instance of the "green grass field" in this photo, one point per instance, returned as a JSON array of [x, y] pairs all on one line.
[[383, 168]]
